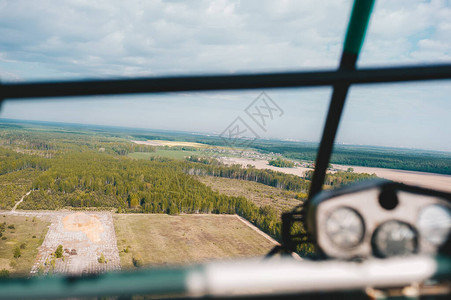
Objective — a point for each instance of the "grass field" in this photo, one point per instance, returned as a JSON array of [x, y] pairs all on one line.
[[163, 239], [258, 193], [174, 154], [22, 234]]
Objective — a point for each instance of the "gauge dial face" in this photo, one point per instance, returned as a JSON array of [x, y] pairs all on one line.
[[434, 224], [395, 238], [345, 227]]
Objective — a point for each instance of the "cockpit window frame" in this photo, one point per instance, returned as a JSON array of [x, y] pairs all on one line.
[[340, 79]]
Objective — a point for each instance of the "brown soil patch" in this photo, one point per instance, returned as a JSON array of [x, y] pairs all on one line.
[[5, 263], [88, 224], [170, 143], [263, 164]]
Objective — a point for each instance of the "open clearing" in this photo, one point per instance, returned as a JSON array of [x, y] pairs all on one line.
[[258, 193], [29, 231], [170, 143], [158, 239], [174, 154], [263, 164], [429, 180]]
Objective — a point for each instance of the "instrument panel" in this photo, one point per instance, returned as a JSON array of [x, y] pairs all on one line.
[[380, 219]]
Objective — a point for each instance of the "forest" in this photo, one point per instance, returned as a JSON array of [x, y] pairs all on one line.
[[90, 179], [84, 169]]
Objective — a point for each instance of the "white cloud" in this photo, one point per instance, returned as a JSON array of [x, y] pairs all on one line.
[[165, 37], [398, 31], [83, 39]]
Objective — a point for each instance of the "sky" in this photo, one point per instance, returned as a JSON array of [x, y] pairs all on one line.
[[64, 40]]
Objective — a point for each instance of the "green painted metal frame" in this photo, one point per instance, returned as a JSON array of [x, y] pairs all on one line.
[[355, 35], [174, 281], [158, 281], [181, 281]]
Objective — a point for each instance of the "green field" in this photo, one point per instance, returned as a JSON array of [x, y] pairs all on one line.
[[163, 239], [28, 232]]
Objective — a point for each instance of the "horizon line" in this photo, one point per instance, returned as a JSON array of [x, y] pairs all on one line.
[[218, 135]]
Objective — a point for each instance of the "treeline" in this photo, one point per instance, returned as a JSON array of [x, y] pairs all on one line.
[[212, 167], [124, 149], [203, 160], [341, 178], [404, 161], [11, 161], [281, 163], [60, 141], [268, 177]]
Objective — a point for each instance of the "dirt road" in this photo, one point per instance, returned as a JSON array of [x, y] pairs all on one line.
[[20, 201]]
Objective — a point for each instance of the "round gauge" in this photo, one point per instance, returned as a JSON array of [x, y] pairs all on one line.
[[345, 228], [434, 224], [395, 238]]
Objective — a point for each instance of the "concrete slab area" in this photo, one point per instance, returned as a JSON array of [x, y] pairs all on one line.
[[85, 236]]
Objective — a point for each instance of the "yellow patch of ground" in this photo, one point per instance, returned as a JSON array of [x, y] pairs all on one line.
[[5, 264], [170, 143]]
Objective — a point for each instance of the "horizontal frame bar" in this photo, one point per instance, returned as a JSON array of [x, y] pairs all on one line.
[[222, 82], [238, 278]]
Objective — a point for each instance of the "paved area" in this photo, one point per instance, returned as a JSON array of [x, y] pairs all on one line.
[[85, 236]]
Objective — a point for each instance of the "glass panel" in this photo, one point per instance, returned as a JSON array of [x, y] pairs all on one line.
[[46, 41], [130, 181], [398, 132], [407, 32]]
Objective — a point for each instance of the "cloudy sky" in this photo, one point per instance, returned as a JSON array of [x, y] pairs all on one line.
[[60, 40]]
